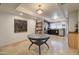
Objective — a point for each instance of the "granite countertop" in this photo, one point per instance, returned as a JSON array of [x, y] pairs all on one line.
[[38, 36]]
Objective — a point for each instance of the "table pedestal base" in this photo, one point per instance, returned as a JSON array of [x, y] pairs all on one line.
[[39, 47]]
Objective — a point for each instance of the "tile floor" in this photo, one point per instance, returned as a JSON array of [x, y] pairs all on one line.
[[56, 47]]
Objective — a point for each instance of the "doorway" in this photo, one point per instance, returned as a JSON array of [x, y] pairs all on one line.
[[73, 30]]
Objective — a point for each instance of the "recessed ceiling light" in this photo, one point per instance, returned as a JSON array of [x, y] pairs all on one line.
[[21, 14]]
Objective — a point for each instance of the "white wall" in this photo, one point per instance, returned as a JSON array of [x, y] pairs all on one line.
[[73, 19], [7, 35]]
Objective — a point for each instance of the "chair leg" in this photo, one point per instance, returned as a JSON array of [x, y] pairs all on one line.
[[30, 46], [39, 50], [47, 45]]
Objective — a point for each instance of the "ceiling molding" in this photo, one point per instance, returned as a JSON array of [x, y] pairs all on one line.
[[63, 9], [25, 8], [22, 9]]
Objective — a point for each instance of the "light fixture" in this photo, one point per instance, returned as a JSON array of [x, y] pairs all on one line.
[[55, 17], [39, 10]]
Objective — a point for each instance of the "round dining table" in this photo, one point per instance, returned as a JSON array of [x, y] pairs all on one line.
[[38, 39]]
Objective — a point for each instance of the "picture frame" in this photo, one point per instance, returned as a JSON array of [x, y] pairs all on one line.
[[20, 25]]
